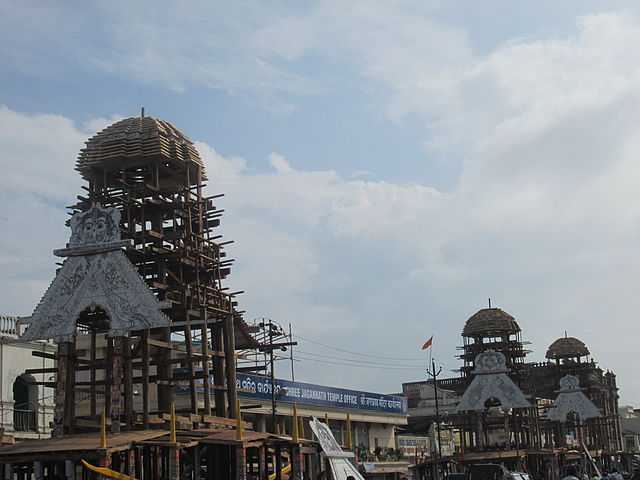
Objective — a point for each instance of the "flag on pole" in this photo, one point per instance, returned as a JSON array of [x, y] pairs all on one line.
[[428, 343]]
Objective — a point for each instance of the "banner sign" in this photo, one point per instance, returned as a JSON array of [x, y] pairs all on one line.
[[259, 387]]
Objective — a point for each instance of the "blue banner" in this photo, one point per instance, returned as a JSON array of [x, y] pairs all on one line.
[[259, 387]]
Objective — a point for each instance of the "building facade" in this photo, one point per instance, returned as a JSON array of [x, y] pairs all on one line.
[[26, 408]]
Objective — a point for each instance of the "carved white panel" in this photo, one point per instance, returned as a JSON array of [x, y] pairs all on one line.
[[571, 399], [491, 382], [96, 274]]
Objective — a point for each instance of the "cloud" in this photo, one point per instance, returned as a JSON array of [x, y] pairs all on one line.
[[280, 163], [543, 217]]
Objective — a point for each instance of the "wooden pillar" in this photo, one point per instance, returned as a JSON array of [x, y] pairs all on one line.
[[165, 373], [240, 462], [38, 470], [69, 470], [206, 382], [155, 464], [173, 453], [262, 462], [196, 462], [218, 370], [60, 411], [137, 464], [193, 394], [92, 375], [296, 463], [211, 466], [278, 468], [147, 473], [129, 414], [116, 384], [108, 375], [131, 461], [145, 377], [230, 363]]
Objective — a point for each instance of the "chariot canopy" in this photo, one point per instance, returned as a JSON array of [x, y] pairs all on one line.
[[491, 382], [571, 400], [95, 275]]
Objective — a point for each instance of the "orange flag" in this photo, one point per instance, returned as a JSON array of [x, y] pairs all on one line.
[[428, 343]]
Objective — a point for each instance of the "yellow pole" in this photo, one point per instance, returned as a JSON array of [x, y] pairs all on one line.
[[239, 425], [103, 429], [294, 431], [173, 438], [349, 439], [326, 418]]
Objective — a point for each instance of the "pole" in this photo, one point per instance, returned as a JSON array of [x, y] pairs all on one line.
[[435, 374], [293, 378], [273, 378]]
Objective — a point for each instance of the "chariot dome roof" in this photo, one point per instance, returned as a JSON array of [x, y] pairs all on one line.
[[490, 321], [136, 140], [567, 347]]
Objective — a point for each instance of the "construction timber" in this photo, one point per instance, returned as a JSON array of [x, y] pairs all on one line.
[[147, 335]]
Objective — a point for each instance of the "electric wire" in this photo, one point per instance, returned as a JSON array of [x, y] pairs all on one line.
[[359, 360], [341, 364], [354, 353]]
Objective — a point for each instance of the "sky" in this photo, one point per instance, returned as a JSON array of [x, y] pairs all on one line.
[[387, 166]]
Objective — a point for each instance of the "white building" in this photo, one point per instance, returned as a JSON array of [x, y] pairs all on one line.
[[26, 406]]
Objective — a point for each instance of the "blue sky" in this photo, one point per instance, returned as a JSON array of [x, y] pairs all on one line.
[[390, 164]]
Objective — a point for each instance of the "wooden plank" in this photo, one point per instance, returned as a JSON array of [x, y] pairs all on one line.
[[36, 371], [178, 348]]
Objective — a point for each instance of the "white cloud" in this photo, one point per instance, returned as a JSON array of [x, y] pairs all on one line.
[[544, 217], [280, 163]]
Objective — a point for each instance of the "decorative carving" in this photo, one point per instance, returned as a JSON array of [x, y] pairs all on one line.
[[95, 231], [571, 399], [96, 274], [95, 226], [491, 382]]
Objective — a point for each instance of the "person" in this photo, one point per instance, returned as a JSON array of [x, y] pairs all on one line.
[[571, 473]]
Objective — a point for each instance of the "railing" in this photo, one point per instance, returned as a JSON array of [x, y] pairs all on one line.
[[8, 326], [25, 420]]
